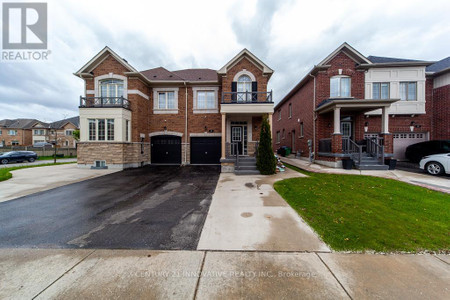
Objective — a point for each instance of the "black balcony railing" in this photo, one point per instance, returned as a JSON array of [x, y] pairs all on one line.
[[104, 102], [247, 97]]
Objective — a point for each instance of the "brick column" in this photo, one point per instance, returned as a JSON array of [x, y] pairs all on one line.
[[388, 142], [336, 143], [224, 126]]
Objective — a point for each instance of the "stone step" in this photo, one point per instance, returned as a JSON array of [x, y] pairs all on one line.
[[247, 167], [247, 163], [247, 172]]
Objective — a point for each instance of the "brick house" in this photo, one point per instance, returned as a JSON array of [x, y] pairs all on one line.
[[130, 118], [364, 108], [61, 130], [16, 132]]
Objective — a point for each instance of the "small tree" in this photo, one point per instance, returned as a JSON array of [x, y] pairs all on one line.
[[265, 159], [76, 135]]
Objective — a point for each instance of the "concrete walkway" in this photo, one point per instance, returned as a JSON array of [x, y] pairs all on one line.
[[29, 181], [438, 183], [246, 213], [142, 274], [38, 162]]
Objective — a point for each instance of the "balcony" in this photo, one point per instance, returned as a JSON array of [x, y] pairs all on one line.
[[104, 102], [246, 97]]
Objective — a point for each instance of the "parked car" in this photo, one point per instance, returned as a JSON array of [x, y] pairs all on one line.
[[436, 164], [415, 152], [42, 145], [17, 156]]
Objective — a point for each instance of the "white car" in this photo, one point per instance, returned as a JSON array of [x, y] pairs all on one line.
[[436, 164]]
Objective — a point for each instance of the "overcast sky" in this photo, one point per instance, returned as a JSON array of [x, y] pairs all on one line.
[[289, 36]]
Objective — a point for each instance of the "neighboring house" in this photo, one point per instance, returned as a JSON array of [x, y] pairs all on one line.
[[130, 118], [16, 132], [62, 131], [350, 103], [40, 132]]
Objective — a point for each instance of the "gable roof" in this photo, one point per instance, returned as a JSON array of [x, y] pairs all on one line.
[[19, 123], [441, 66], [104, 53], [251, 57], [61, 123], [6, 122], [381, 59], [350, 51]]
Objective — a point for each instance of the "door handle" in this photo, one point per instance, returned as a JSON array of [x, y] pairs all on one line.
[[206, 152]]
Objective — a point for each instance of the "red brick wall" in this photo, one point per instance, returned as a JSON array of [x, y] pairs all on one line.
[[24, 136], [244, 63], [441, 113]]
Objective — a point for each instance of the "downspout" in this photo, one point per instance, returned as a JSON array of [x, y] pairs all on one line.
[[186, 124], [314, 118]]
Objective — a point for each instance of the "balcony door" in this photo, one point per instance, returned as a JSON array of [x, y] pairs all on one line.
[[244, 89]]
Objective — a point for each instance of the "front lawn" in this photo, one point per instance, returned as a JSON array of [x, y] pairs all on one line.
[[5, 173], [352, 212], [51, 157]]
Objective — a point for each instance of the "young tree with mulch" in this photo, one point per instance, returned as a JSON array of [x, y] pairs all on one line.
[[265, 159]]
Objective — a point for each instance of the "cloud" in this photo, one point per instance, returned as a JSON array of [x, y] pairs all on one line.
[[290, 36]]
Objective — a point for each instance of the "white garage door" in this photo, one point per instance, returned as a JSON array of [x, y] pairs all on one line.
[[403, 140]]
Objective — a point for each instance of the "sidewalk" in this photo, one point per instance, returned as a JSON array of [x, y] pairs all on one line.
[[141, 274], [38, 162], [438, 183]]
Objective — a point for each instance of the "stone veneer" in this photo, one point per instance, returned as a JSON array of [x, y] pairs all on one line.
[[116, 154]]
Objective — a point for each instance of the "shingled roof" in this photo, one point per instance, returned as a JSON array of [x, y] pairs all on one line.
[[59, 124], [439, 66], [382, 60], [198, 75], [18, 123]]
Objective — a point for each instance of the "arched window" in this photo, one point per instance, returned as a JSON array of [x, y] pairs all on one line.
[[111, 88], [244, 88], [340, 86]]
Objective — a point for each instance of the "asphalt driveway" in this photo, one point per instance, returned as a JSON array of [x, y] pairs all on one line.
[[155, 207]]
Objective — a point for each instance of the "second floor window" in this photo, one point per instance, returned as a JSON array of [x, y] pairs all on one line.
[[39, 132], [69, 132], [301, 129], [380, 90], [206, 100], [408, 91], [290, 110], [279, 114], [111, 88], [166, 100], [244, 87], [278, 137], [12, 132], [340, 87]]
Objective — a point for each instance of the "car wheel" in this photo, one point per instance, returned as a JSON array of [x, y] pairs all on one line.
[[4, 161], [31, 159], [434, 168]]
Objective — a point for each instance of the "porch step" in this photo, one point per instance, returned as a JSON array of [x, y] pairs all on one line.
[[247, 166], [251, 167], [371, 167], [247, 172]]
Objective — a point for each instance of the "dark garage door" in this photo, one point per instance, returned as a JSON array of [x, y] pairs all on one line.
[[166, 149], [205, 150]]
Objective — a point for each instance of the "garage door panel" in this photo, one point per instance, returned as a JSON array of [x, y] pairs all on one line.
[[403, 140], [166, 149], [205, 150]]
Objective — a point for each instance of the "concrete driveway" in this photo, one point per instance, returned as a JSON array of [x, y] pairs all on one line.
[[148, 208]]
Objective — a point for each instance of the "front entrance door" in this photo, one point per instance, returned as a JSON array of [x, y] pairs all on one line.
[[346, 129], [236, 138]]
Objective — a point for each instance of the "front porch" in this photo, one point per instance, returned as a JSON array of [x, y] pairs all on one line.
[[348, 137], [242, 115]]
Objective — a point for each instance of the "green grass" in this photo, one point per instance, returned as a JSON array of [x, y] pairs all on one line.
[[5, 173], [357, 213], [51, 157]]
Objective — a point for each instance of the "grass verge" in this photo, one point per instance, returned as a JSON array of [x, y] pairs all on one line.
[[5, 173], [357, 213], [51, 157]]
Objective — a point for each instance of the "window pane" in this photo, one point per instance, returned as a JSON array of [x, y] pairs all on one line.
[[244, 78], [120, 90], [412, 91], [91, 129], [345, 87], [112, 90], [170, 100], [127, 127], [103, 92], [110, 129], [376, 91], [334, 87], [385, 91], [210, 100], [101, 129], [403, 86], [201, 100], [162, 100]]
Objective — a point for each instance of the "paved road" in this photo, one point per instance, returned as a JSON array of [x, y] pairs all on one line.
[[38, 162], [148, 208]]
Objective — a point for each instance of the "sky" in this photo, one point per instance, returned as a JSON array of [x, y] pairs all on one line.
[[289, 36]]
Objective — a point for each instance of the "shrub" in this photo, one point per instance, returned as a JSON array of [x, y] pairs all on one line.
[[265, 159]]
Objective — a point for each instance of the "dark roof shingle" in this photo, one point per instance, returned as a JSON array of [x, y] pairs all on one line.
[[381, 60], [162, 74], [439, 66]]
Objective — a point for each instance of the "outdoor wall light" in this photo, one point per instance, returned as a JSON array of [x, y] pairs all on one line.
[[366, 126], [411, 126]]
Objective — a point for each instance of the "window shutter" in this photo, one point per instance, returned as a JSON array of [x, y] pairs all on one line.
[[254, 90], [233, 90]]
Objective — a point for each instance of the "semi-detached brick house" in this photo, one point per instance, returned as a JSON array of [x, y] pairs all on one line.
[[364, 108], [130, 118]]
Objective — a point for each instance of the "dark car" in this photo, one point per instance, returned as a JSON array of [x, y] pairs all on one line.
[[17, 156], [415, 152]]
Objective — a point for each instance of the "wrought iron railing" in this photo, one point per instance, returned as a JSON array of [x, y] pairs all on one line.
[[235, 147], [375, 148], [247, 97], [350, 147], [104, 102]]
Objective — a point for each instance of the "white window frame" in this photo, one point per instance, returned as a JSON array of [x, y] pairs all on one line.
[[98, 79], [12, 132], [96, 130], [279, 114], [70, 132], [116, 87], [379, 89], [156, 109], [196, 90], [302, 130], [407, 89], [340, 86], [290, 110]]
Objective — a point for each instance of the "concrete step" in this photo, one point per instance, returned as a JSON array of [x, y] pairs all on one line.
[[247, 163], [371, 167], [247, 167], [247, 159], [247, 172]]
